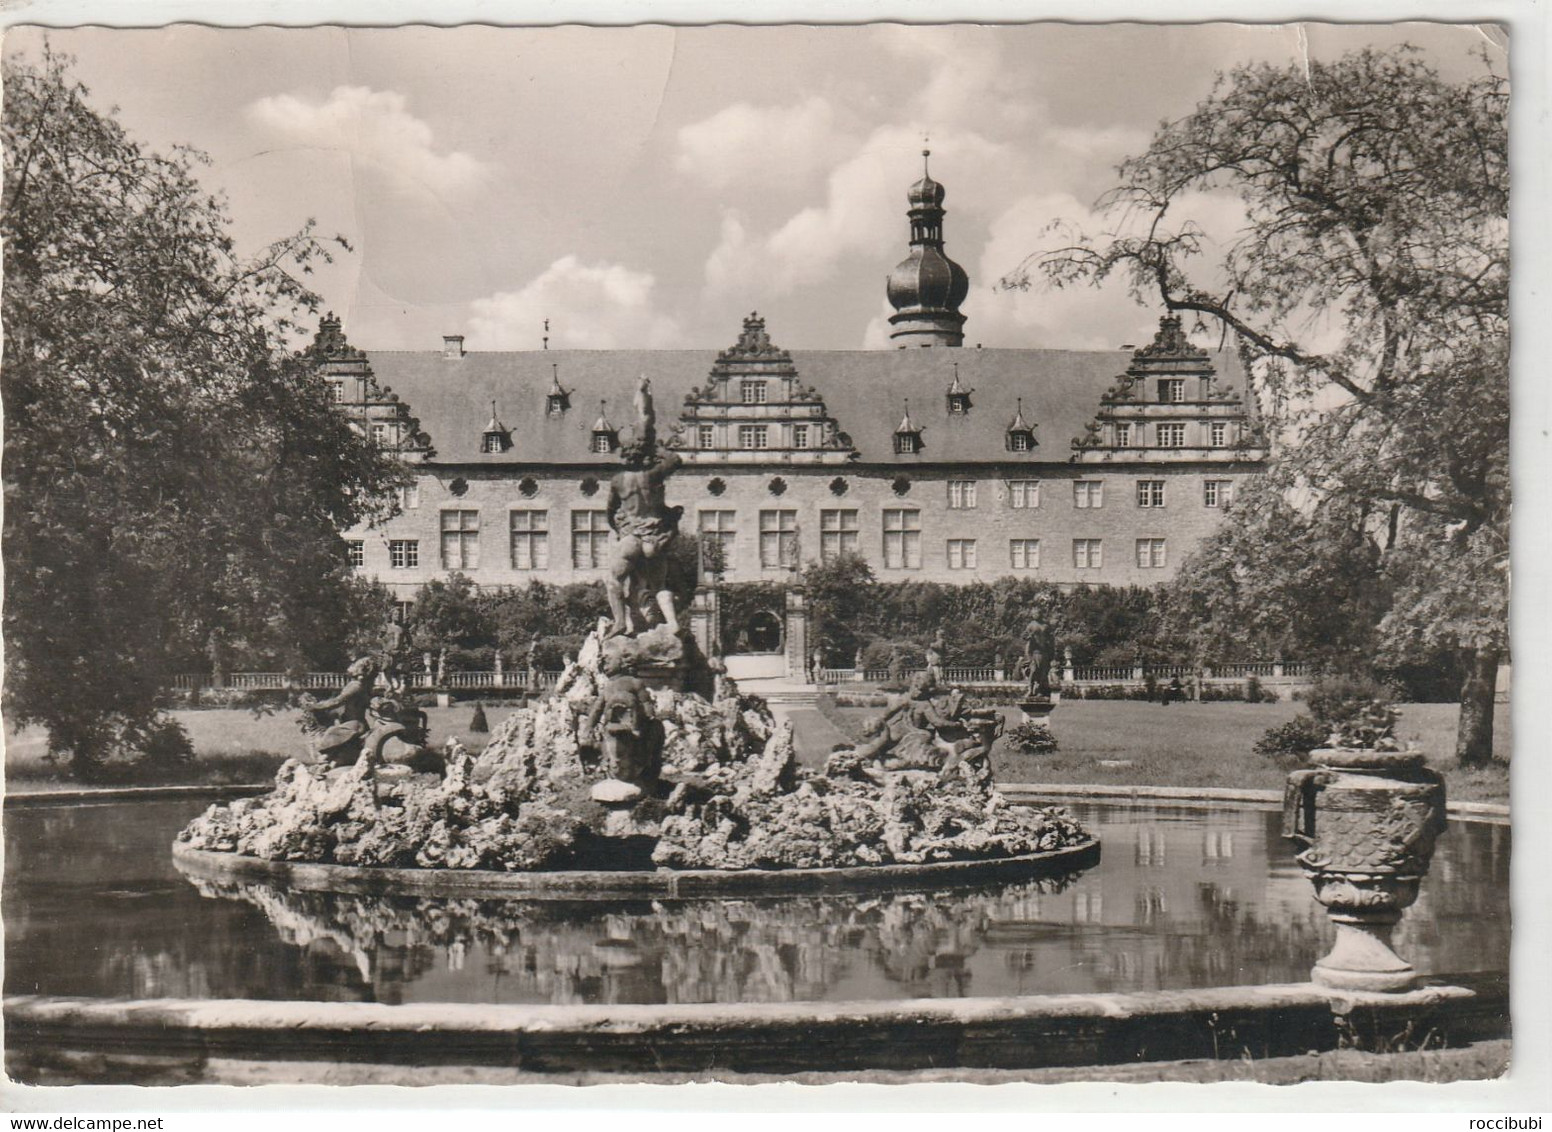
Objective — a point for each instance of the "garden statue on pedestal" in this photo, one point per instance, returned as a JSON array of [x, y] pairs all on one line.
[[1039, 653]]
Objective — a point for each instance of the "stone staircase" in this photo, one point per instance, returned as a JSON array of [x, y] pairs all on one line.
[[782, 693]]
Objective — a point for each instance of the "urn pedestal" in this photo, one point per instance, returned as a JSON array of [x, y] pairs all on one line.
[[1036, 709], [1367, 821]]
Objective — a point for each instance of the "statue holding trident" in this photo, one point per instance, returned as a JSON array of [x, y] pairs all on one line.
[[644, 525]]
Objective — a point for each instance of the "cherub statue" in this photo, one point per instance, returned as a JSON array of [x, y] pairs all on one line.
[[644, 526]]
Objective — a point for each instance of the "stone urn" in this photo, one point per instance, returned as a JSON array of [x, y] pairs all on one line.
[[1037, 709], [1366, 820]]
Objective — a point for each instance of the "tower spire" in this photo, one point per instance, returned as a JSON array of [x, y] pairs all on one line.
[[927, 287]]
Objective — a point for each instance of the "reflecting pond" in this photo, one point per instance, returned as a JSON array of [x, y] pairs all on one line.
[[1182, 898]]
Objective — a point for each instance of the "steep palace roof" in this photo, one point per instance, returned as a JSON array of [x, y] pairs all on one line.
[[866, 391]]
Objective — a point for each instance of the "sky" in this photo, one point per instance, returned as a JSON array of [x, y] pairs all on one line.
[[647, 187]]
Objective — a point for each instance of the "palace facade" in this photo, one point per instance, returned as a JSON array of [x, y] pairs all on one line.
[[932, 461]]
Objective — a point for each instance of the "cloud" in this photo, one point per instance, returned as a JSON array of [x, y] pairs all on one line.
[[760, 146], [374, 128], [590, 307]]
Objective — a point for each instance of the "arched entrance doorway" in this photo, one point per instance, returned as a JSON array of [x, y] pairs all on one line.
[[763, 633]]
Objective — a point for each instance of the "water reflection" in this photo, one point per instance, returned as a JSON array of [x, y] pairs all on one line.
[[1181, 898], [921, 945]]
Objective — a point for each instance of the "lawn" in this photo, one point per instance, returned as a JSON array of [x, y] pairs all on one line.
[[231, 745], [1119, 743], [1127, 743]]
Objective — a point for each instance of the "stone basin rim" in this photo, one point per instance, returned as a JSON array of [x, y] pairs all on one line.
[[674, 883]]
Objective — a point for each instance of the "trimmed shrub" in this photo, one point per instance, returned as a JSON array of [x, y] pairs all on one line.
[[478, 724]]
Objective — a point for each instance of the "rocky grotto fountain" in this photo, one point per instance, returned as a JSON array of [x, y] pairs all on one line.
[[645, 759]]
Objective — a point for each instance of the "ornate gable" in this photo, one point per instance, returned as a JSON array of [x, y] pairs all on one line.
[[754, 408], [1170, 405], [374, 410]]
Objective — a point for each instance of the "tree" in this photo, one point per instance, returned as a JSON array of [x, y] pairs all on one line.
[[450, 620], [1368, 293], [175, 480]]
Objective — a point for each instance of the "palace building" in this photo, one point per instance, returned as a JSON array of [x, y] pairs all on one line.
[[930, 460]]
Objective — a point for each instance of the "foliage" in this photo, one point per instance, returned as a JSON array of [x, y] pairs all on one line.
[[175, 481], [1029, 739], [838, 593], [1344, 710], [478, 724], [451, 621], [1333, 699], [1367, 288], [1294, 739]]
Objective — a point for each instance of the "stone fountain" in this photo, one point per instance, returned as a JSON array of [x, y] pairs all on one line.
[[643, 759]]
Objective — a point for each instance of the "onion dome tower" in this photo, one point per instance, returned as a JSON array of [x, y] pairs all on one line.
[[927, 287]]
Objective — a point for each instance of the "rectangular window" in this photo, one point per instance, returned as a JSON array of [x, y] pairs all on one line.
[[493, 442], [404, 553], [1087, 553], [355, 552], [460, 540], [589, 539], [1088, 494], [1217, 493], [1150, 493], [1150, 553], [800, 436], [716, 529], [961, 494], [602, 442], [1172, 389], [1023, 494], [1218, 434], [753, 436], [402, 611], [1123, 435], [902, 539], [530, 540], [380, 435], [409, 497], [338, 389], [707, 435], [838, 534], [1172, 435], [1018, 441], [907, 443], [961, 554], [752, 392], [778, 538], [1024, 553]]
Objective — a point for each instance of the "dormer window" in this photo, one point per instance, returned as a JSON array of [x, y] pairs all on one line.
[[606, 438], [908, 438], [557, 400], [958, 396], [497, 438], [1021, 434]]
